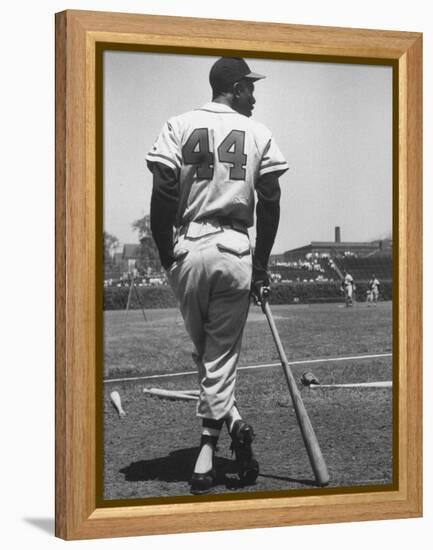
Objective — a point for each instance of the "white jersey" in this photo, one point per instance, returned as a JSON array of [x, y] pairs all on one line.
[[218, 156], [374, 284], [348, 280]]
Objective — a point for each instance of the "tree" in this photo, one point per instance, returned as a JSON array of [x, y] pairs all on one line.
[[148, 253], [142, 225], [111, 243]]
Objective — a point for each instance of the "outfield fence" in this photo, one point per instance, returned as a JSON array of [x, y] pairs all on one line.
[[157, 297]]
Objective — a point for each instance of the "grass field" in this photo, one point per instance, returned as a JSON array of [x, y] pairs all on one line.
[[151, 451]]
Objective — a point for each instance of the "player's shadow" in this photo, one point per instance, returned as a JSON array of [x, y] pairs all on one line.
[[177, 466]]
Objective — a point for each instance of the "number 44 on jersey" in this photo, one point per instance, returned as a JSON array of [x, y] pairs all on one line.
[[231, 150]]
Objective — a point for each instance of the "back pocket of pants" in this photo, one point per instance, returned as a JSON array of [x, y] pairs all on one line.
[[239, 251]]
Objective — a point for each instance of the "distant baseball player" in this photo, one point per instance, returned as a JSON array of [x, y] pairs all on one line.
[[373, 285], [348, 285], [207, 166]]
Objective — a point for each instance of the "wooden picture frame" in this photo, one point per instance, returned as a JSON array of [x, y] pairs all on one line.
[[79, 34]]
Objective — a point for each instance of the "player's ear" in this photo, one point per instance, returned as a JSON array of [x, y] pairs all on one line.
[[236, 90]]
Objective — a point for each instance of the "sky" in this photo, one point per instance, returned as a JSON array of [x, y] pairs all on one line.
[[333, 123]]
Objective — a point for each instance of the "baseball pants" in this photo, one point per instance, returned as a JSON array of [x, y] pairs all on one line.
[[211, 279]]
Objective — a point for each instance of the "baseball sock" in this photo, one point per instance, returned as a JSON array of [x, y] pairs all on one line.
[[231, 418], [209, 438]]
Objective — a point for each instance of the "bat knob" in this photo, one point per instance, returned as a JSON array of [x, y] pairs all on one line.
[[264, 292]]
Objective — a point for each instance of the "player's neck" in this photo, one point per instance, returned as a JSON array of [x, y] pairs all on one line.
[[224, 100]]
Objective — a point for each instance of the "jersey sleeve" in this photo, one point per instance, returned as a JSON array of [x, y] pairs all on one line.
[[272, 159], [166, 149]]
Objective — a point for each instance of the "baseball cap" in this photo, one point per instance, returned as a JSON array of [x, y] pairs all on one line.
[[228, 70]]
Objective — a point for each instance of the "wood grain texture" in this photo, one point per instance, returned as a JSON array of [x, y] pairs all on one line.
[[77, 34], [414, 271], [250, 36], [75, 375], [60, 217]]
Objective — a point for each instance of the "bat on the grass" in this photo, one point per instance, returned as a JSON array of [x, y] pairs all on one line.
[[181, 395], [117, 403]]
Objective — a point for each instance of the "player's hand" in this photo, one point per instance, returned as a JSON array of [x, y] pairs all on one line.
[[167, 263], [260, 285], [171, 258], [167, 259]]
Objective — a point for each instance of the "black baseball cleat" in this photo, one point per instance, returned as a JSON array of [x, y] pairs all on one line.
[[202, 483], [242, 435]]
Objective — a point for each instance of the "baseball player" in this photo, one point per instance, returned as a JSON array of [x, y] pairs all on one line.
[[373, 285], [208, 164], [348, 285]]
